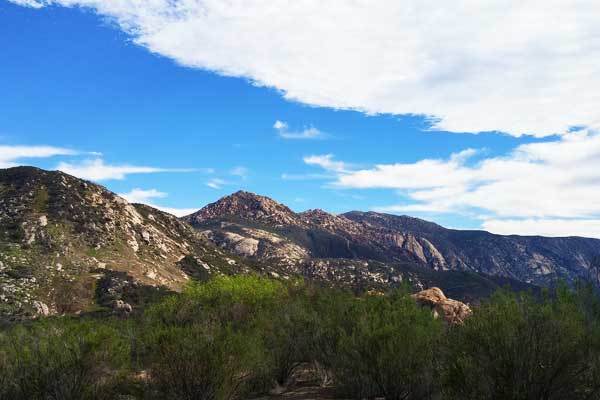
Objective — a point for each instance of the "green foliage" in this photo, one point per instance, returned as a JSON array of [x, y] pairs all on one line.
[[389, 351], [206, 342], [224, 298], [20, 272], [517, 347], [203, 362], [61, 359], [239, 337]]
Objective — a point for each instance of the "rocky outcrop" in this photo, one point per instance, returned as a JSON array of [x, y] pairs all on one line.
[[452, 311]]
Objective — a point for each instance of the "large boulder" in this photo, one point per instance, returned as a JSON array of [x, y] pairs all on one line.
[[452, 311]]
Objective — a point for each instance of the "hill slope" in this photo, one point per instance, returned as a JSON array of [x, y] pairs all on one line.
[[61, 236]]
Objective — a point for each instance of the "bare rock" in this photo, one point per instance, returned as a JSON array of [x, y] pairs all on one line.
[[43, 220], [146, 236], [120, 306], [41, 308], [452, 311]]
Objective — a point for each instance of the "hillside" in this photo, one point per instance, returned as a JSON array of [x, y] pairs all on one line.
[[63, 239]]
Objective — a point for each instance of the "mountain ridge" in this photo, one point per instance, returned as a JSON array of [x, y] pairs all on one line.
[[392, 238]]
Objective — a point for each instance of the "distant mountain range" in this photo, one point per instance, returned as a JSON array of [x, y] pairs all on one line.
[[67, 245]]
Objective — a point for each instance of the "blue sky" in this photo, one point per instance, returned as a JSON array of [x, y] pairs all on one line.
[[84, 81]]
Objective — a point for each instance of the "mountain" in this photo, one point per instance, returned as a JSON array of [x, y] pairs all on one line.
[[72, 246], [66, 243], [317, 242], [534, 259]]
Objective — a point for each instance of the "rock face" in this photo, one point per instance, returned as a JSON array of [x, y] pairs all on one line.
[[60, 234], [532, 259], [312, 238], [452, 311]]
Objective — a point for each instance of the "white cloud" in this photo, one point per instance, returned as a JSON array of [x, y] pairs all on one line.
[[142, 196], [145, 196], [545, 227], [556, 180], [519, 67], [239, 171], [326, 162], [280, 125], [11, 156], [307, 133], [28, 3], [216, 183], [98, 170]]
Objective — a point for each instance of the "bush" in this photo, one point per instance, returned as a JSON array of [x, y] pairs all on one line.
[[238, 337], [206, 343], [388, 350], [238, 300], [287, 332], [61, 360], [204, 363], [516, 347]]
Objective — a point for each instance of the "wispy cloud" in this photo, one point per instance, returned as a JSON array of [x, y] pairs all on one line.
[[29, 3], [216, 183], [283, 131], [143, 195], [239, 171], [146, 196], [11, 156], [98, 170], [327, 162]]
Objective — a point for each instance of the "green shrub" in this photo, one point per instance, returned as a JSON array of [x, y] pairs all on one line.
[[208, 343], [287, 331], [204, 362], [238, 337], [517, 347], [61, 360], [232, 299], [388, 349]]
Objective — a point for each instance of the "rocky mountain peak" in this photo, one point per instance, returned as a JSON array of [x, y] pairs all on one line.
[[248, 206]]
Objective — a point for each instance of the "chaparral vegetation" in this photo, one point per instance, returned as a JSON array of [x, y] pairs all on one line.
[[248, 336]]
